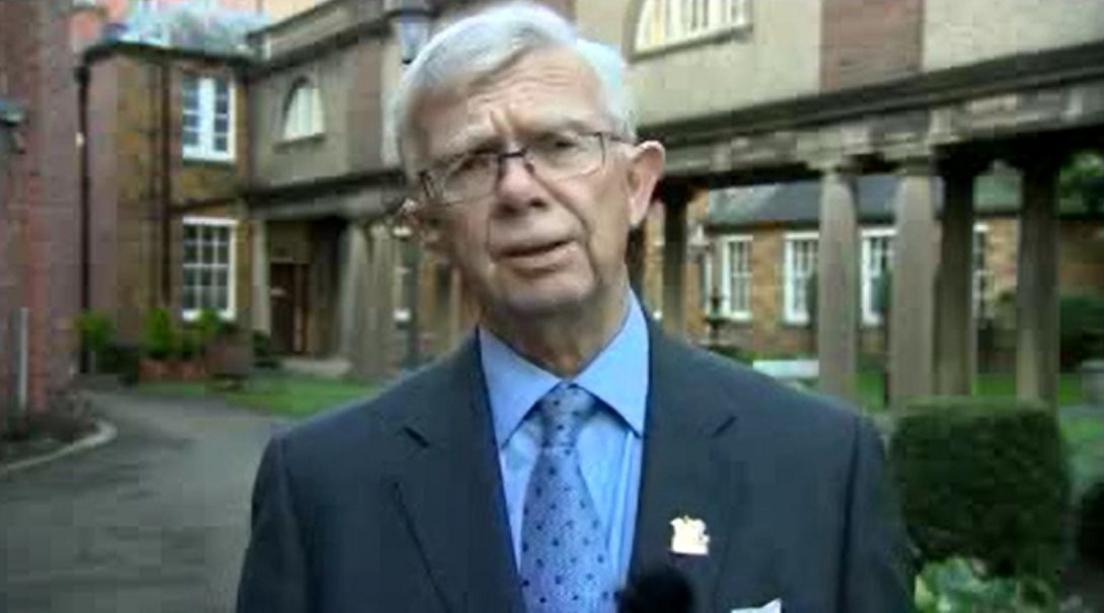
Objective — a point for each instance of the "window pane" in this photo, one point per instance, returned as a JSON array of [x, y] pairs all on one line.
[[221, 144], [188, 298]]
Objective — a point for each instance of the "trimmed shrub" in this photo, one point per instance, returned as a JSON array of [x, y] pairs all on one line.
[[984, 478], [1081, 329], [159, 335], [96, 332], [963, 584], [1090, 520]]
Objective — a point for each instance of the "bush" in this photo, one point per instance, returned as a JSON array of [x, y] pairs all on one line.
[[123, 360], [96, 331], [1090, 520], [732, 352], [264, 354], [985, 479], [159, 335], [961, 584], [1081, 328]]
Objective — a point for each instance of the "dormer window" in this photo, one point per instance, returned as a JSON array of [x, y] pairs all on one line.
[[303, 112], [666, 23]]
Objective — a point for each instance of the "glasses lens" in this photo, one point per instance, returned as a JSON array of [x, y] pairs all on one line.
[[551, 157]]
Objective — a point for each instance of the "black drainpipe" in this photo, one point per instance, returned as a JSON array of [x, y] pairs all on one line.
[[85, 200], [166, 184]]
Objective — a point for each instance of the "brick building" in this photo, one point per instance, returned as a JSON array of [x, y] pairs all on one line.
[[765, 240], [39, 205], [167, 149]]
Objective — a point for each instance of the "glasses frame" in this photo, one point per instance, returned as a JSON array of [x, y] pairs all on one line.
[[434, 194]]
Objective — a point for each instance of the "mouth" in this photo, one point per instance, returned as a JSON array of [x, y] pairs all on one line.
[[535, 256]]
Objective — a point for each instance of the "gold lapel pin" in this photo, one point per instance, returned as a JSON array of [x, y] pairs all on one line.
[[689, 537]]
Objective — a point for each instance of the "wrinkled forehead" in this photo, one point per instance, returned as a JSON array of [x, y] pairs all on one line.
[[536, 92]]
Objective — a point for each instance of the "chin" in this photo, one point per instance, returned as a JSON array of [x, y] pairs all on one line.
[[546, 301]]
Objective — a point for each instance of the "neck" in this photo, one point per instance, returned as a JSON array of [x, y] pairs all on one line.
[[563, 343]]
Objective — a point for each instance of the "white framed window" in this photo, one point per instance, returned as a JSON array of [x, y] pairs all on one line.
[[877, 260], [303, 111], [800, 265], [735, 278], [668, 22], [209, 262], [207, 105]]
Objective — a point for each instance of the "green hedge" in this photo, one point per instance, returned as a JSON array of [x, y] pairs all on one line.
[[984, 478], [1090, 520]]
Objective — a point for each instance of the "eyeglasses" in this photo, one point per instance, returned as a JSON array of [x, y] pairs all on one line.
[[551, 157]]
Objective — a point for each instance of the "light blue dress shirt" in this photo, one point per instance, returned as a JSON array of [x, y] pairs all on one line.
[[610, 444]]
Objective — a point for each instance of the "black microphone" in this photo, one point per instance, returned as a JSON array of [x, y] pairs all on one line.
[[660, 589]]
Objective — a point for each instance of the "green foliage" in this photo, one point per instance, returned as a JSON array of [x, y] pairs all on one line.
[[121, 360], [207, 326], [1081, 328], [961, 584], [159, 335], [264, 354], [984, 478], [733, 352], [190, 345], [96, 331], [1090, 520], [1083, 180]]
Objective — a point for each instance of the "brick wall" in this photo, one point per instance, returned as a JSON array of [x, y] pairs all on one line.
[[865, 41], [39, 214], [127, 133]]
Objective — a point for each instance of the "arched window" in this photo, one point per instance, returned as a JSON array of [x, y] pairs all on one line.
[[668, 22], [303, 112]]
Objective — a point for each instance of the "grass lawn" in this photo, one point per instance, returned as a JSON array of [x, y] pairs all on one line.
[[295, 396], [988, 385]]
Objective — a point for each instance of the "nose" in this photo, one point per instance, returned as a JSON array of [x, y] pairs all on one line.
[[517, 186]]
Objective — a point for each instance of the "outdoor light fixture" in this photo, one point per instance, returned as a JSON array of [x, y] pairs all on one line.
[[411, 21]]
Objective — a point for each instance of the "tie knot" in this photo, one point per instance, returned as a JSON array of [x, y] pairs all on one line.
[[563, 412]]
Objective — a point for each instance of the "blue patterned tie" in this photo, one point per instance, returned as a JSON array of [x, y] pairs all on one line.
[[564, 563]]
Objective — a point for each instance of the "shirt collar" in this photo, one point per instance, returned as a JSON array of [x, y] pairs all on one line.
[[618, 376]]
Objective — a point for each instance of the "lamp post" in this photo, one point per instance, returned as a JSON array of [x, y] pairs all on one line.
[[411, 21]]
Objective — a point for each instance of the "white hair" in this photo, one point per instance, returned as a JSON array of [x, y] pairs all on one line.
[[486, 42]]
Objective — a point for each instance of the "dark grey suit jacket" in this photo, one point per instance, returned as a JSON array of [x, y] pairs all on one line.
[[396, 504]]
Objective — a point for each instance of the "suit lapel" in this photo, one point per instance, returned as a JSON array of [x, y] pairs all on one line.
[[451, 492], [687, 470]]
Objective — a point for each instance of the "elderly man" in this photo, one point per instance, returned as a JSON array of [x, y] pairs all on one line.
[[568, 445]]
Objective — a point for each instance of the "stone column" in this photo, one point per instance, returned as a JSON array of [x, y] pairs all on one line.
[[353, 287], [381, 341], [912, 304], [838, 283], [956, 328], [1037, 282], [262, 302], [675, 202]]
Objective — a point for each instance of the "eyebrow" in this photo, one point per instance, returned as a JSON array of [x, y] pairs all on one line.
[[476, 140]]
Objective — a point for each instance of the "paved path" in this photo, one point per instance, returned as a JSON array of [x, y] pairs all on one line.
[[154, 522]]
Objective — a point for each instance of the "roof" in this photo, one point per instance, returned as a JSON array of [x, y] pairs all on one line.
[[798, 203]]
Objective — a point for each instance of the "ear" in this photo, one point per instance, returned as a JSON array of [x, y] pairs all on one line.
[[645, 168], [427, 225]]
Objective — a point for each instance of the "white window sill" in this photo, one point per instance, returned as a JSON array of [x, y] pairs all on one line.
[[193, 314]]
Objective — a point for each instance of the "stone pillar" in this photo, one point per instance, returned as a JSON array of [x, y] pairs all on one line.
[[262, 302], [380, 340], [838, 283], [1037, 283], [675, 202], [353, 287], [912, 304], [956, 328]]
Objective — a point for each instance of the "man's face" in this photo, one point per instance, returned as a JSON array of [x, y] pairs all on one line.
[[534, 246]]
